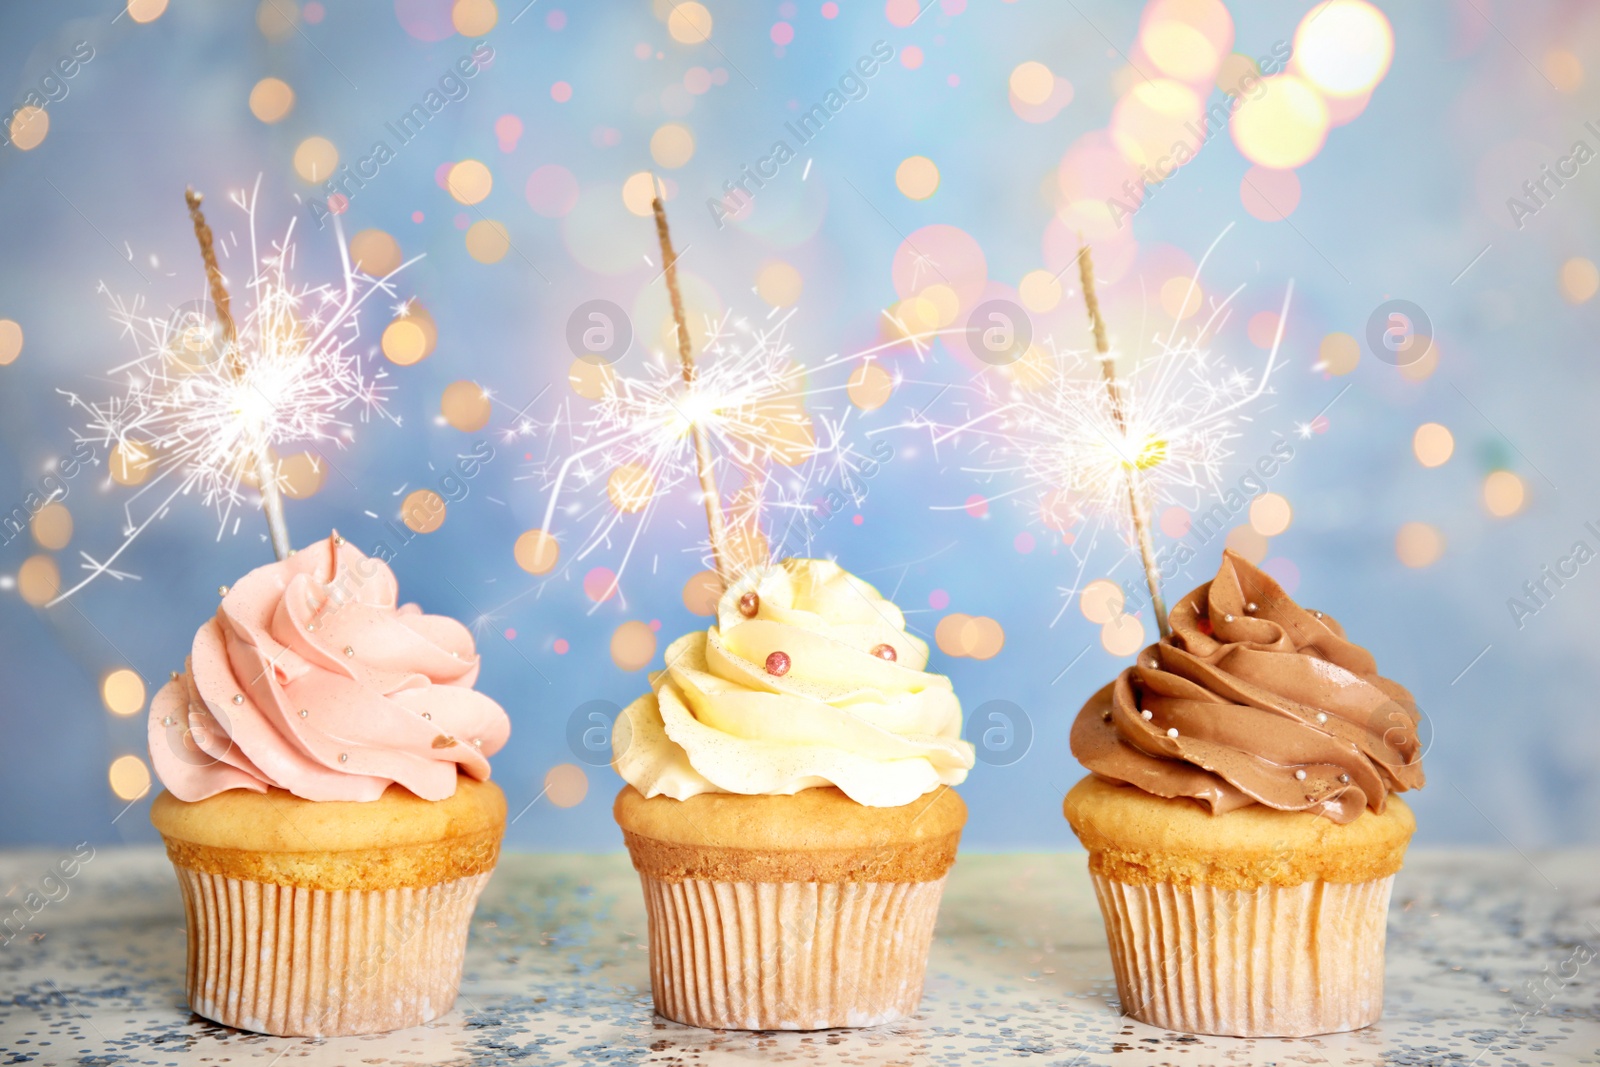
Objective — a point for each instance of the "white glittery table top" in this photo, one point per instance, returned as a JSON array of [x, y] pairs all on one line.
[[1493, 958]]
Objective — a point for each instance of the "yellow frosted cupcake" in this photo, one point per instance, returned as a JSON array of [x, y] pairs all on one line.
[[788, 809], [328, 808], [1241, 830]]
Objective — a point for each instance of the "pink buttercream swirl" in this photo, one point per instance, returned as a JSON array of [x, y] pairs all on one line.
[[312, 678]]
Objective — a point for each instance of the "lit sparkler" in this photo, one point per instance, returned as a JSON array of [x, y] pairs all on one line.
[[1082, 441], [696, 412], [647, 436], [739, 418], [209, 395]]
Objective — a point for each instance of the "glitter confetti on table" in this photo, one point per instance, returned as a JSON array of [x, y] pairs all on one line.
[[557, 972]]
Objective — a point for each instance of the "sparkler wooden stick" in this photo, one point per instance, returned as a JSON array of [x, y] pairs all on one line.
[[266, 477], [702, 444], [1137, 508]]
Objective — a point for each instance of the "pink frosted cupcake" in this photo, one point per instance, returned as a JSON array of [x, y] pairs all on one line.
[[328, 807]]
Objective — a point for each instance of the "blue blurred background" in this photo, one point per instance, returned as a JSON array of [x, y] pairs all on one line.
[[1007, 127]]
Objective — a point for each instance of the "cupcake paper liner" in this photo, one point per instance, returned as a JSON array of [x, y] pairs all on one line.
[[298, 962], [788, 955], [1275, 961]]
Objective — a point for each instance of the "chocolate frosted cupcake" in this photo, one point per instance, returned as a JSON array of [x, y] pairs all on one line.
[[788, 809], [328, 808], [1240, 822]]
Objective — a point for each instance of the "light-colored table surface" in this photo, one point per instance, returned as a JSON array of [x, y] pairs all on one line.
[[556, 973]]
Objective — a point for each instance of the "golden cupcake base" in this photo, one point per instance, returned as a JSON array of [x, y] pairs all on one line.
[[322, 919], [788, 955], [1275, 961], [805, 912], [1255, 923], [298, 962]]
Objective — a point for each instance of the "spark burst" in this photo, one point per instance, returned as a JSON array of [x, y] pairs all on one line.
[[1068, 446], [632, 450], [201, 409], [743, 411]]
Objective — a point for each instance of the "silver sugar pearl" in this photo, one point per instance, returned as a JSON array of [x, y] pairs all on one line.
[[1250, 607], [1172, 731], [427, 715], [1318, 614], [1300, 776], [344, 757], [1345, 778], [304, 713], [349, 651], [338, 539], [311, 626], [1146, 716], [1227, 618], [1322, 716], [175, 676], [167, 720], [222, 590], [477, 742], [238, 698]]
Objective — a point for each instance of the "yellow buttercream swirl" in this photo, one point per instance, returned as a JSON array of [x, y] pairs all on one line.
[[884, 732]]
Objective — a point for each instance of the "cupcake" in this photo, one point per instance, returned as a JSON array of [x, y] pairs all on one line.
[[1241, 830], [788, 807], [328, 805]]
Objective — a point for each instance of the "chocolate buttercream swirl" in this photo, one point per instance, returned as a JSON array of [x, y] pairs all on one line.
[[1254, 700]]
